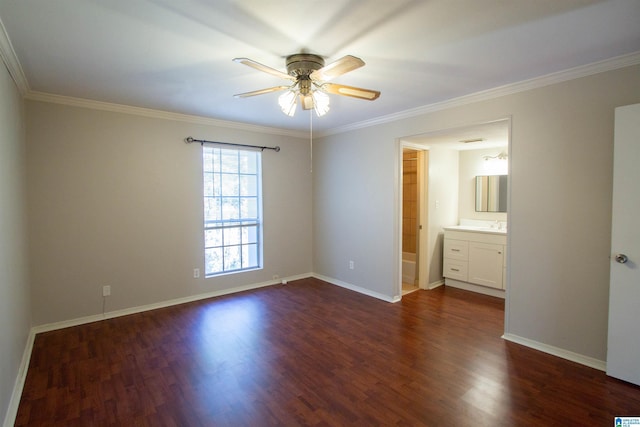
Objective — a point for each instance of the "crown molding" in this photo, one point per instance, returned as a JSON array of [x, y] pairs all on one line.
[[10, 59], [509, 89], [158, 114]]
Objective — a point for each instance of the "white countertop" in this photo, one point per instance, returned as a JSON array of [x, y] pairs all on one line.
[[476, 229]]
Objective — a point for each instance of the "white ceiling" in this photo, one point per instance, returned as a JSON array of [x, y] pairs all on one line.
[[176, 55]]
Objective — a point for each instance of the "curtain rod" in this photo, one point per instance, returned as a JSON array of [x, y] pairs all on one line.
[[190, 140]]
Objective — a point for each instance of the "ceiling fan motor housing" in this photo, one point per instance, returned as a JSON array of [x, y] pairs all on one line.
[[303, 64]]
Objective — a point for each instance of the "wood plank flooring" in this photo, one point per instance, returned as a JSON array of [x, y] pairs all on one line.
[[312, 354]]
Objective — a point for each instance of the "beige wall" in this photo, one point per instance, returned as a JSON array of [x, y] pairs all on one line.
[[15, 320], [116, 199], [354, 210], [561, 180]]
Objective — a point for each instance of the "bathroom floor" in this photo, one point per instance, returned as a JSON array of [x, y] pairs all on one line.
[[407, 288]]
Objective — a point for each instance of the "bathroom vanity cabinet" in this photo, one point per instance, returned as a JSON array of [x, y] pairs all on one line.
[[475, 259]]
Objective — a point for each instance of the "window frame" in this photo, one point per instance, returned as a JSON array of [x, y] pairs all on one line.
[[232, 210]]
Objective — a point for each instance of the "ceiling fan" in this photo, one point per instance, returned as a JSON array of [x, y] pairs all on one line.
[[310, 82]]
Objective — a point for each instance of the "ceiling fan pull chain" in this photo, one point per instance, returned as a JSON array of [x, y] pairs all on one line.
[[311, 141]]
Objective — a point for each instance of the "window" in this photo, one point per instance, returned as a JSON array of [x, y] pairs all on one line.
[[232, 210]]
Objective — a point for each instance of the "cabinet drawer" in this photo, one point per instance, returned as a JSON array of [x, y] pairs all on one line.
[[455, 269], [456, 249]]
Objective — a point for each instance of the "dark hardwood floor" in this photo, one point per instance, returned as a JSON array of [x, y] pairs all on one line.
[[310, 353]]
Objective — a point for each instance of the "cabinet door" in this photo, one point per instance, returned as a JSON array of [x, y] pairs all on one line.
[[485, 264]]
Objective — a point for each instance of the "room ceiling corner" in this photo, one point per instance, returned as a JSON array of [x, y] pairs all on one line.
[[11, 61]]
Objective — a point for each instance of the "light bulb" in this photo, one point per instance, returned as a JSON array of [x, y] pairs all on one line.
[[287, 102]]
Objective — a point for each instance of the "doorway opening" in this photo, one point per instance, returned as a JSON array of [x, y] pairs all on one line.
[[412, 190], [446, 163]]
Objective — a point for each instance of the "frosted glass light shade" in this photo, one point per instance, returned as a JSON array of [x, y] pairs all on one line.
[[287, 102], [320, 102]]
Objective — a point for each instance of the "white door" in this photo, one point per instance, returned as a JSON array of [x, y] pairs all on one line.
[[623, 354]]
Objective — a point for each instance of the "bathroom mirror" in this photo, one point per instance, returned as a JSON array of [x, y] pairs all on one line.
[[491, 193]]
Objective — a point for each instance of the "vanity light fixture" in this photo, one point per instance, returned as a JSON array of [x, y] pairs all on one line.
[[496, 165], [501, 156]]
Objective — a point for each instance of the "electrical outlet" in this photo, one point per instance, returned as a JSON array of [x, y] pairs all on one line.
[[351, 265], [106, 291], [284, 282], [196, 273]]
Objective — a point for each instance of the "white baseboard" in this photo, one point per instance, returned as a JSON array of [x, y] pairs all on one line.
[[14, 403], [601, 365], [125, 312], [356, 288], [434, 285]]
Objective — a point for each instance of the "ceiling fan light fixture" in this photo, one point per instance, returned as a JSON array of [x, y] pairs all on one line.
[[310, 75], [320, 102], [287, 102], [313, 99]]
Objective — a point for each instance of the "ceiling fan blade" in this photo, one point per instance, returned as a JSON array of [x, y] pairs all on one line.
[[355, 92], [260, 92], [337, 68], [264, 68]]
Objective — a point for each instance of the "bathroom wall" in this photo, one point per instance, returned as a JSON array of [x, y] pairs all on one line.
[[442, 205], [472, 164]]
